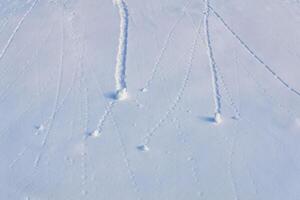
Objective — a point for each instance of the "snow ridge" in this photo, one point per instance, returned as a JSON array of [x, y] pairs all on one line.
[[120, 73], [213, 65], [12, 36], [255, 56]]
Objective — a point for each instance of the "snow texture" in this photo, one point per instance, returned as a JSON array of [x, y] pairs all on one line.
[[175, 99]]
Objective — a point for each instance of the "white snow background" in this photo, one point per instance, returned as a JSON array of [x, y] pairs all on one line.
[[149, 100]]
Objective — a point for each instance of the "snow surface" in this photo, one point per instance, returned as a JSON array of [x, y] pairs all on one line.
[[210, 99]]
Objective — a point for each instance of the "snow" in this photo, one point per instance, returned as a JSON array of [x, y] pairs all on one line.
[[218, 118], [129, 99]]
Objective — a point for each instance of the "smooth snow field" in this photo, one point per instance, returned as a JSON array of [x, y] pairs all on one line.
[[149, 99]]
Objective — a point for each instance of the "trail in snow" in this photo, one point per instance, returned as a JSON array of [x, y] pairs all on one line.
[[265, 92], [233, 181], [108, 112], [110, 105], [26, 110], [12, 36], [19, 156], [251, 123], [187, 147], [164, 48], [151, 133], [84, 116], [120, 72], [131, 173], [26, 67], [59, 81], [213, 64], [49, 122], [97, 132], [57, 106], [253, 54]]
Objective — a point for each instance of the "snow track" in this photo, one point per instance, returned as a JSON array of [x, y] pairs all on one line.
[[63, 135], [12, 36], [253, 54], [212, 62], [120, 72], [131, 173], [164, 48], [151, 133]]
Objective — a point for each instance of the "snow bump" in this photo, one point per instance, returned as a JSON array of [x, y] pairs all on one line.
[[143, 148]]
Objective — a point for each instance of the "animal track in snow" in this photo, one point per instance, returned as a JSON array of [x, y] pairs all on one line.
[[254, 55]]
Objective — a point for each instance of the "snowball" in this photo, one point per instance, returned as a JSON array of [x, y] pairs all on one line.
[[122, 94], [95, 133], [218, 118], [144, 90], [143, 148]]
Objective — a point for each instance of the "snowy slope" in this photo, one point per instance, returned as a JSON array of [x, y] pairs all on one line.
[[68, 130]]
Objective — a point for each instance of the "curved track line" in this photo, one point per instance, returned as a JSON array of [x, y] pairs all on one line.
[[212, 62], [57, 106], [183, 139], [59, 81], [28, 64], [164, 48], [250, 122], [108, 111], [84, 120], [173, 106], [12, 36], [126, 158], [230, 170], [264, 91], [254, 55], [19, 156]]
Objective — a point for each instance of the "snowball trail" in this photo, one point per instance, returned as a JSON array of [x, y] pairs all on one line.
[[213, 65], [120, 72], [142, 100]]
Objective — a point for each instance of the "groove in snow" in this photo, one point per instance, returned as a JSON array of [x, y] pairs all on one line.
[[254, 55], [12, 36], [120, 72], [213, 66], [147, 139]]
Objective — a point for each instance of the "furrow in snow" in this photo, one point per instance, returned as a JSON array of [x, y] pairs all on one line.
[[103, 119], [25, 68], [213, 64], [120, 71], [12, 36], [131, 173], [19, 156], [270, 97], [254, 55], [163, 49], [59, 83], [97, 132], [187, 147], [57, 105], [173, 106]]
